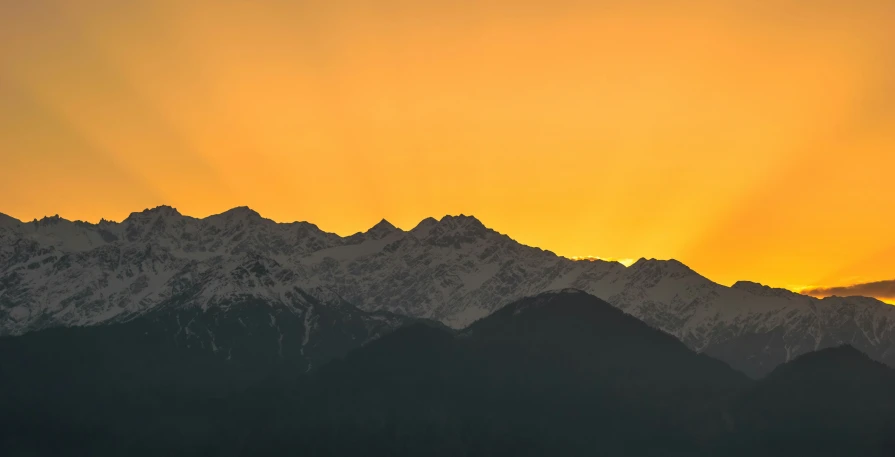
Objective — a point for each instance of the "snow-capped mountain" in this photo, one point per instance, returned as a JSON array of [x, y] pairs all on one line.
[[54, 272]]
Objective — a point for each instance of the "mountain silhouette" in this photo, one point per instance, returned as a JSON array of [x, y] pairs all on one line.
[[57, 273], [836, 401], [559, 373]]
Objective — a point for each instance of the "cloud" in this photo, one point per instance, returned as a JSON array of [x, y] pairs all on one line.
[[878, 289]]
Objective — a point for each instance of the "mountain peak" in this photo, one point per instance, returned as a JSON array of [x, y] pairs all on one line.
[[241, 212], [49, 220], [462, 223], [564, 298], [9, 221], [585, 328], [451, 230], [670, 266], [846, 350], [382, 229], [653, 261], [829, 364], [461, 219], [163, 210], [422, 229], [568, 291], [761, 289], [836, 355]]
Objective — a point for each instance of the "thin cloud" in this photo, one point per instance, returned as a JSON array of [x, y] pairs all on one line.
[[878, 289]]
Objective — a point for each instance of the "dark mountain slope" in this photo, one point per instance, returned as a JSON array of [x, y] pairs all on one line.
[[562, 373], [140, 379], [578, 330], [832, 402], [558, 374]]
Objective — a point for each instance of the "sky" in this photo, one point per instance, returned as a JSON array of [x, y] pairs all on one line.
[[750, 140]]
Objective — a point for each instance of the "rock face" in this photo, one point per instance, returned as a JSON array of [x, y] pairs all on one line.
[[54, 272]]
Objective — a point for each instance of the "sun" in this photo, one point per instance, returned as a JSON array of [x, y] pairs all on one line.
[[625, 262]]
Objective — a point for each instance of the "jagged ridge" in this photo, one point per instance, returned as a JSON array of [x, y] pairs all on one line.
[[54, 272]]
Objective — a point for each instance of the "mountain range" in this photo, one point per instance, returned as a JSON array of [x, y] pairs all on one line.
[[157, 262], [558, 373]]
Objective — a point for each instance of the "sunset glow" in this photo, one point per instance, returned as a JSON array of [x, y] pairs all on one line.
[[625, 262], [749, 140]]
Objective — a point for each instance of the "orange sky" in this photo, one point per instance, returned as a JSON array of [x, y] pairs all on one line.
[[750, 140]]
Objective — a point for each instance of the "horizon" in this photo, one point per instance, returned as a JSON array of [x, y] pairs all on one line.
[[820, 293]]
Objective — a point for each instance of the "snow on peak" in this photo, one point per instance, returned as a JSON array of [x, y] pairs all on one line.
[[50, 220], [424, 227], [150, 213], [382, 229], [241, 212], [761, 289], [854, 299], [669, 267], [458, 230], [461, 220], [454, 270]]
